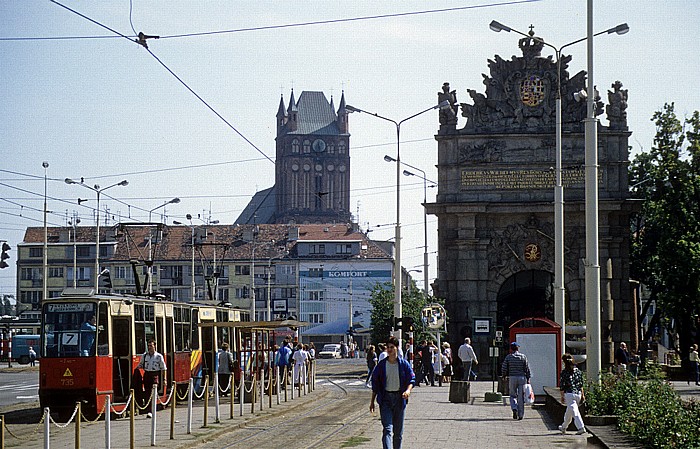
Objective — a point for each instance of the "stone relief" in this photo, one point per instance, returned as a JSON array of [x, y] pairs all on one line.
[[520, 95], [491, 151]]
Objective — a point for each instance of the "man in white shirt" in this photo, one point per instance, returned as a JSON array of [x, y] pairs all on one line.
[[467, 356], [300, 357], [152, 363]]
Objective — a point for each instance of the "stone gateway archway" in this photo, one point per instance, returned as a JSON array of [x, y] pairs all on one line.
[[495, 200]]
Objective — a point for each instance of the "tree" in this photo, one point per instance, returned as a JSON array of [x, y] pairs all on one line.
[[382, 300], [666, 231]]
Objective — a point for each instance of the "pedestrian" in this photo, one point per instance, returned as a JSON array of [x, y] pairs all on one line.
[[343, 350], [382, 352], [446, 362], [409, 350], [571, 387], [468, 357], [694, 360], [153, 364], [283, 356], [300, 357], [392, 382], [32, 356], [225, 369], [427, 363], [371, 363], [622, 358], [517, 370], [635, 360], [312, 351]]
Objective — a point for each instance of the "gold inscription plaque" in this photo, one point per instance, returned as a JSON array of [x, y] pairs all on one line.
[[520, 179]]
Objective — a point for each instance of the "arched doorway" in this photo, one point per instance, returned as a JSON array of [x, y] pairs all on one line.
[[525, 294]]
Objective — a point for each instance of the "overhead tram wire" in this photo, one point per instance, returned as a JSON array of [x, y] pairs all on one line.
[[272, 27]]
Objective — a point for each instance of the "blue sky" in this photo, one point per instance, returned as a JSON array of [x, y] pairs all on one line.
[[107, 110]]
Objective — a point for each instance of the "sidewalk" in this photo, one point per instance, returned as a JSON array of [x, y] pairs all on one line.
[[432, 421]]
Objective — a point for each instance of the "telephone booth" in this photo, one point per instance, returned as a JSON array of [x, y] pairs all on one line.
[[540, 341]]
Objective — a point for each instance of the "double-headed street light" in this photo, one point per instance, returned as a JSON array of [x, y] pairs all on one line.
[[559, 290], [397, 235], [98, 190]]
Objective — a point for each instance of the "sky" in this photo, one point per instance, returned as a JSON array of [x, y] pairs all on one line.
[[106, 110]]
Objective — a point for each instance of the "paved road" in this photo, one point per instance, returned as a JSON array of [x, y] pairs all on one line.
[[18, 386]]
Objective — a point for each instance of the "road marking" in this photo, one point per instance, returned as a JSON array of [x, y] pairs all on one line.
[[36, 396]]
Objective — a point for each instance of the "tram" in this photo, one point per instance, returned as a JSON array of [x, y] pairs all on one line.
[[91, 346]]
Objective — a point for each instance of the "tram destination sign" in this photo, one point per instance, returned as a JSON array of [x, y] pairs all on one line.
[[70, 307]]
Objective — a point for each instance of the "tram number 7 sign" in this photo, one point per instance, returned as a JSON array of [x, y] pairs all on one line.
[[69, 339]]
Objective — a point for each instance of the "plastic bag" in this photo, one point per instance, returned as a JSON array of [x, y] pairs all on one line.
[[529, 394]]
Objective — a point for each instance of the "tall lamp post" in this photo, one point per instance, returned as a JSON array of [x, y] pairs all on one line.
[[559, 289], [149, 264], [98, 190], [397, 235], [426, 279], [45, 292]]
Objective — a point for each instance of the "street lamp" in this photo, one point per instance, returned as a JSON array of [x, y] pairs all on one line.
[[149, 264], [559, 289], [425, 224], [98, 190], [397, 236], [45, 292], [192, 227]]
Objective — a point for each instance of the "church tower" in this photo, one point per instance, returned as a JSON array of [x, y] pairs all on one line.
[[312, 170]]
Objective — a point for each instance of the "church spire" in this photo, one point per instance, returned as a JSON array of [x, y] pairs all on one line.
[[343, 126]]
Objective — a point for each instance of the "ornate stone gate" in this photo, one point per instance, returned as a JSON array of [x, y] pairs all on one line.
[[495, 200]]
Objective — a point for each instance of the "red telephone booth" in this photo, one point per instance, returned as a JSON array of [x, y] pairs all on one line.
[[540, 341]]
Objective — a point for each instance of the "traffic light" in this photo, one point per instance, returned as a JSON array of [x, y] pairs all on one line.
[[398, 324], [408, 324], [106, 279], [4, 256]]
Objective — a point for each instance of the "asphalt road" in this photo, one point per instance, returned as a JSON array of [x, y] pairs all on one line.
[[19, 384]]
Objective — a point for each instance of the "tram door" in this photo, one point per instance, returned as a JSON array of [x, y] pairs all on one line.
[[161, 342], [121, 358], [208, 351], [170, 349]]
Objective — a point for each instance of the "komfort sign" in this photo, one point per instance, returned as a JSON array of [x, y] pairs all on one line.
[[348, 274]]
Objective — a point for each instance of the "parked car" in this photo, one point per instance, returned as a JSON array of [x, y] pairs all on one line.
[[331, 351]]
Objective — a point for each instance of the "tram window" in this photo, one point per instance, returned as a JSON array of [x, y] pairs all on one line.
[[182, 329], [222, 333], [102, 330], [121, 337], [195, 329], [69, 330], [144, 326]]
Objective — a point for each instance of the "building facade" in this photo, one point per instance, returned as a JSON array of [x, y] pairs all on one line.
[[312, 166], [495, 200]]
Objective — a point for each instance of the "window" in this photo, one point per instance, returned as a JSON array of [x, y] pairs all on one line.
[[144, 325], [287, 269], [241, 292], [317, 248], [307, 146], [36, 252], [33, 298], [341, 148], [315, 272], [288, 292], [55, 272], [182, 328], [343, 248], [242, 270], [223, 294], [331, 148], [315, 318], [295, 146], [315, 295], [31, 274], [83, 251]]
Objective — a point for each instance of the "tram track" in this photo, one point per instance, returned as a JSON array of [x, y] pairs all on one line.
[[317, 427]]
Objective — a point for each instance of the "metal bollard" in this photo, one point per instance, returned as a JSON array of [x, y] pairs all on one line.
[[173, 405], [262, 387], [108, 422], [189, 406], [132, 413], [206, 400], [217, 411], [241, 393], [47, 427], [232, 391], [154, 408], [77, 426]]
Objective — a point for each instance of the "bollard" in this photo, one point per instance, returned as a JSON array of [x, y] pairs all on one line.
[[132, 412], [173, 405], [269, 388], [154, 409], [241, 393], [284, 382], [254, 387], [77, 426], [262, 387], [277, 383], [206, 400], [47, 427], [232, 391], [2, 431], [108, 422], [217, 412], [189, 406]]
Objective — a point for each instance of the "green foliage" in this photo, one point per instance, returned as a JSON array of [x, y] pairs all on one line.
[[666, 241], [651, 411], [382, 300]]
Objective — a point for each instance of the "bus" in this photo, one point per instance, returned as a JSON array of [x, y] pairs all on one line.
[[21, 345], [91, 345]]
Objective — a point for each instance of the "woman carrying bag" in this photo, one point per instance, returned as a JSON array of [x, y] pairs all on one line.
[[571, 386]]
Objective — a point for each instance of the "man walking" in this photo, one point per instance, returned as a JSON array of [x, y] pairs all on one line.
[[517, 370], [392, 382], [153, 364], [468, 357]]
